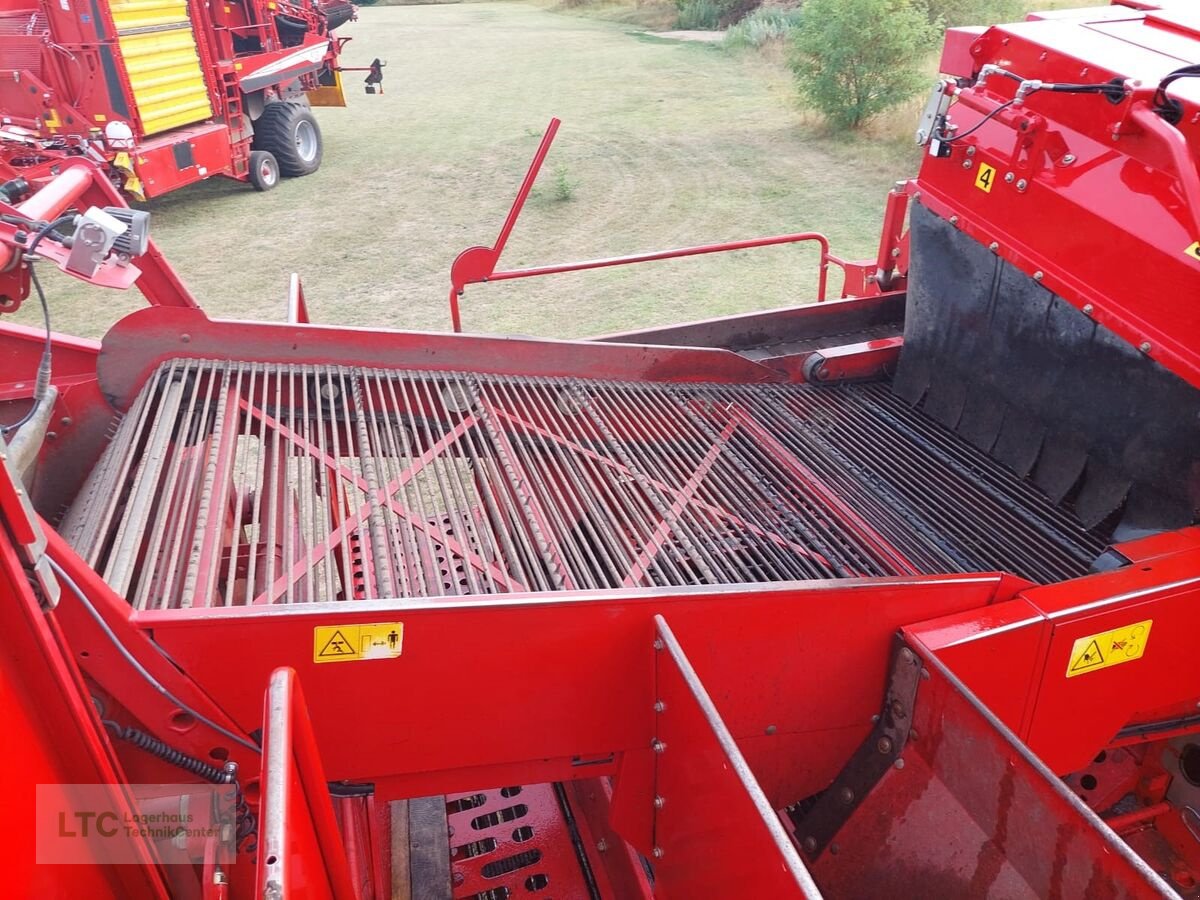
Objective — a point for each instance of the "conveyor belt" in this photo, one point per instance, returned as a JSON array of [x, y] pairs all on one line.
[[238, 483]]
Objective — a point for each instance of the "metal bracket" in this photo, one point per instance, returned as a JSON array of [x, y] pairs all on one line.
[[818, 823], [17, 516]]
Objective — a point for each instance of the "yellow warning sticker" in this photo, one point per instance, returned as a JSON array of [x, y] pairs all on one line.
[[1193, 251], [1109, 648], [986, 178], [350, 643]]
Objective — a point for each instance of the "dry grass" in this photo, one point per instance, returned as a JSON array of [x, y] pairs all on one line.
[[666, 143]]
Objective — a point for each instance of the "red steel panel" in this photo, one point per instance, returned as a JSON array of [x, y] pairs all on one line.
[[52, 736], [971, 813], [716, 834], [564, 656], [1018, 656]]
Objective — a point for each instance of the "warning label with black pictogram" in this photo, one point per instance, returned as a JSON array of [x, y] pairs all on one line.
[[1094, 652], [350, 643], [1089, 658]]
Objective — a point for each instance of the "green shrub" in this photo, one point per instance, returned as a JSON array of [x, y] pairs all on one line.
[[564, 184], [698, 15], [761, 27], [949, 13], [854, 59]]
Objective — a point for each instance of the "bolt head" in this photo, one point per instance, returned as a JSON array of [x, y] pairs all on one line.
[[884, 745], [970, 151], [658, 644], [1039, 275], [895, 252], [954, 220], [966, 164], [658, 853], [658, 746], [993, 246], [771, 729], [846, 795], [1145, 347], [660, 802], [659, 706], [1068, 159], [898, 764], [1022, 185], [602, 845], [810, 844], [1088, 309], [1008, 177]]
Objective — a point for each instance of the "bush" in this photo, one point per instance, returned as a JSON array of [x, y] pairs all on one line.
[[853, 59], [699, 15], [761, 27], [564, 184], [949, 13]]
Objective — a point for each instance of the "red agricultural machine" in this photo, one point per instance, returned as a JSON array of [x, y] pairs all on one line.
[[164, 93], [891, 595]]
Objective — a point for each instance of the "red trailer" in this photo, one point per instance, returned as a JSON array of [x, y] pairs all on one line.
[[164, 93], [895, 594]]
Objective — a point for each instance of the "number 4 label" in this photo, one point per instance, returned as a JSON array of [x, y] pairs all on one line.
[[986, 178]]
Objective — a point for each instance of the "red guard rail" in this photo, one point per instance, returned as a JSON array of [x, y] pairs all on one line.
[[477, 265]]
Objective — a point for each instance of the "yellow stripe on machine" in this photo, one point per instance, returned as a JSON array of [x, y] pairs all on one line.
[[130, 14], [163, 63]]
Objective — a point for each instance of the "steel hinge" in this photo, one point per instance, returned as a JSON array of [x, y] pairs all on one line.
[[21, 524], [818, 821]]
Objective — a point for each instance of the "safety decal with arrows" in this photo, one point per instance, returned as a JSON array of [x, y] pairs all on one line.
[[353, 643], [1109, 648]]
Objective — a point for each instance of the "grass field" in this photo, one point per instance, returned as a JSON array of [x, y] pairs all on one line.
[[665, 143]]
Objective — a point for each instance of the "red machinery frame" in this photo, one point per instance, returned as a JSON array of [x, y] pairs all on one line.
[[710, 709], [62, 89]]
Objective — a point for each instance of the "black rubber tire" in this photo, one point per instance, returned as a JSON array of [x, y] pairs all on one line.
[[264, 170], [289, 131]]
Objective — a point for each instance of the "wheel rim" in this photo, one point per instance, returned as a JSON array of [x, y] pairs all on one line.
[[266, 171], [306, 141]]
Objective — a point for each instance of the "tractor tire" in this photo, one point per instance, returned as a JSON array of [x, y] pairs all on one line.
[[289, 131], [264, 170]]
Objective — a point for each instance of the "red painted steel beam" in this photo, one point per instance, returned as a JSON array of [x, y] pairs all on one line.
[[140, 342], [300, 851]]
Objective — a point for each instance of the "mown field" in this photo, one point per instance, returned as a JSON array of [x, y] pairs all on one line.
[[663, 143]]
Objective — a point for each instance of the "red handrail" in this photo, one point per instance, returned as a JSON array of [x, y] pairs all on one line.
[[477, 265]]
